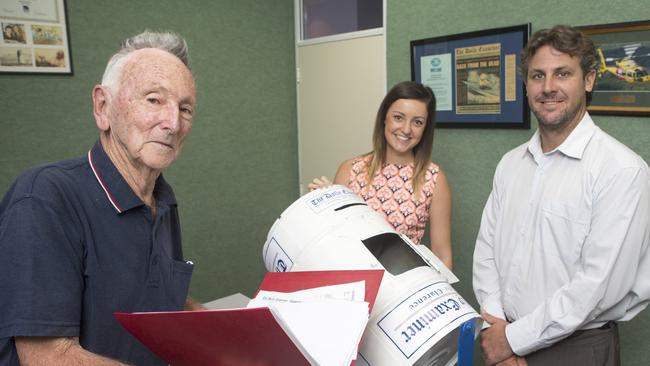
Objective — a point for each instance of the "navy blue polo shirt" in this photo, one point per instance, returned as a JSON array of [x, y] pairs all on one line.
[[76, 245]]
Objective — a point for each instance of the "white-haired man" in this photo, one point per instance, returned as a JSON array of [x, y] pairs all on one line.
[[82, 238]]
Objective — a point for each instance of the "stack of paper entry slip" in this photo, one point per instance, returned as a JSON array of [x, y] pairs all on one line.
[[283, 331], [325, 323]]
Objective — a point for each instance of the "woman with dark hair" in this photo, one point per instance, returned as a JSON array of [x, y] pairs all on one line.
[[398, 177]]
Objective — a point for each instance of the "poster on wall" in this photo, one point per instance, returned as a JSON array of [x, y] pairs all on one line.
[[623, 75], [478, 78], [474, 77], [34, 37]]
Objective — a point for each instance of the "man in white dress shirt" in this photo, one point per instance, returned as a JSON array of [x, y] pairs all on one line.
[[562, 251]]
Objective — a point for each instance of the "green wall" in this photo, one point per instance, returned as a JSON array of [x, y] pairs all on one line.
[[470, 156], [238, 170]]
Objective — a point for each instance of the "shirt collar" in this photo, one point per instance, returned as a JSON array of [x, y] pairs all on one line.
[[118, 192], [574, 145]]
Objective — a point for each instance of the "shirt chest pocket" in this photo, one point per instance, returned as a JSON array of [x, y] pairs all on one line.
[[563, 230]]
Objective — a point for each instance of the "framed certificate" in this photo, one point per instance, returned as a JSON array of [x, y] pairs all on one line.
[[475, 77], [34, 37]]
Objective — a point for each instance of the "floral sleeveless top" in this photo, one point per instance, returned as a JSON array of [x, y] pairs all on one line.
[[391, 193]]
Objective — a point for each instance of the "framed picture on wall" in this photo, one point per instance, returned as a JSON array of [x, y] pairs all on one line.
[[623, 76], [475, 77], [34, 37]]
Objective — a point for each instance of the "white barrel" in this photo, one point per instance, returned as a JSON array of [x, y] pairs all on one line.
[[417, 312]]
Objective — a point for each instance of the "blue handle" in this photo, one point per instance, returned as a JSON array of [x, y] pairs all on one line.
[[466, 343]]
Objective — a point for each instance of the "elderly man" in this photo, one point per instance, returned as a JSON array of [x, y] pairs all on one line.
[[82, 238], [562, 252]]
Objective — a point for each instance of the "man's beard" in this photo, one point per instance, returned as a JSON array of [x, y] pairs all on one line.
[[559, 122]]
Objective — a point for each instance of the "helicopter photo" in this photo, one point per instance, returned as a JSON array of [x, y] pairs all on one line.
[[623, 54], [624, 68]]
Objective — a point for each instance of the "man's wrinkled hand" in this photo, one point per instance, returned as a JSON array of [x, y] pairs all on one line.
[[494, 343]]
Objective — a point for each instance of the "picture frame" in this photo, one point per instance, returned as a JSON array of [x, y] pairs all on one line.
[[623, 76], [35, 37], [475, 77]]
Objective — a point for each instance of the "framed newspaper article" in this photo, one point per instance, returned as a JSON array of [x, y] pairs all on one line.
[[623, 75], [34, 37], [475, 77]]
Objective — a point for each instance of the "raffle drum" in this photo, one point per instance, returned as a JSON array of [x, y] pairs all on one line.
[[417, 314]]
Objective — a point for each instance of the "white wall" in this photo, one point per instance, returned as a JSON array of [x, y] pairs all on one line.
[[340, 86]]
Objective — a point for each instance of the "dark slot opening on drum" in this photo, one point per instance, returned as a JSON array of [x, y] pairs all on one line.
[[393, 253], [350, 205]]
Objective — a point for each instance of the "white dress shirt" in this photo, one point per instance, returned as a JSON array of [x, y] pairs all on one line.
[[563, 242]]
